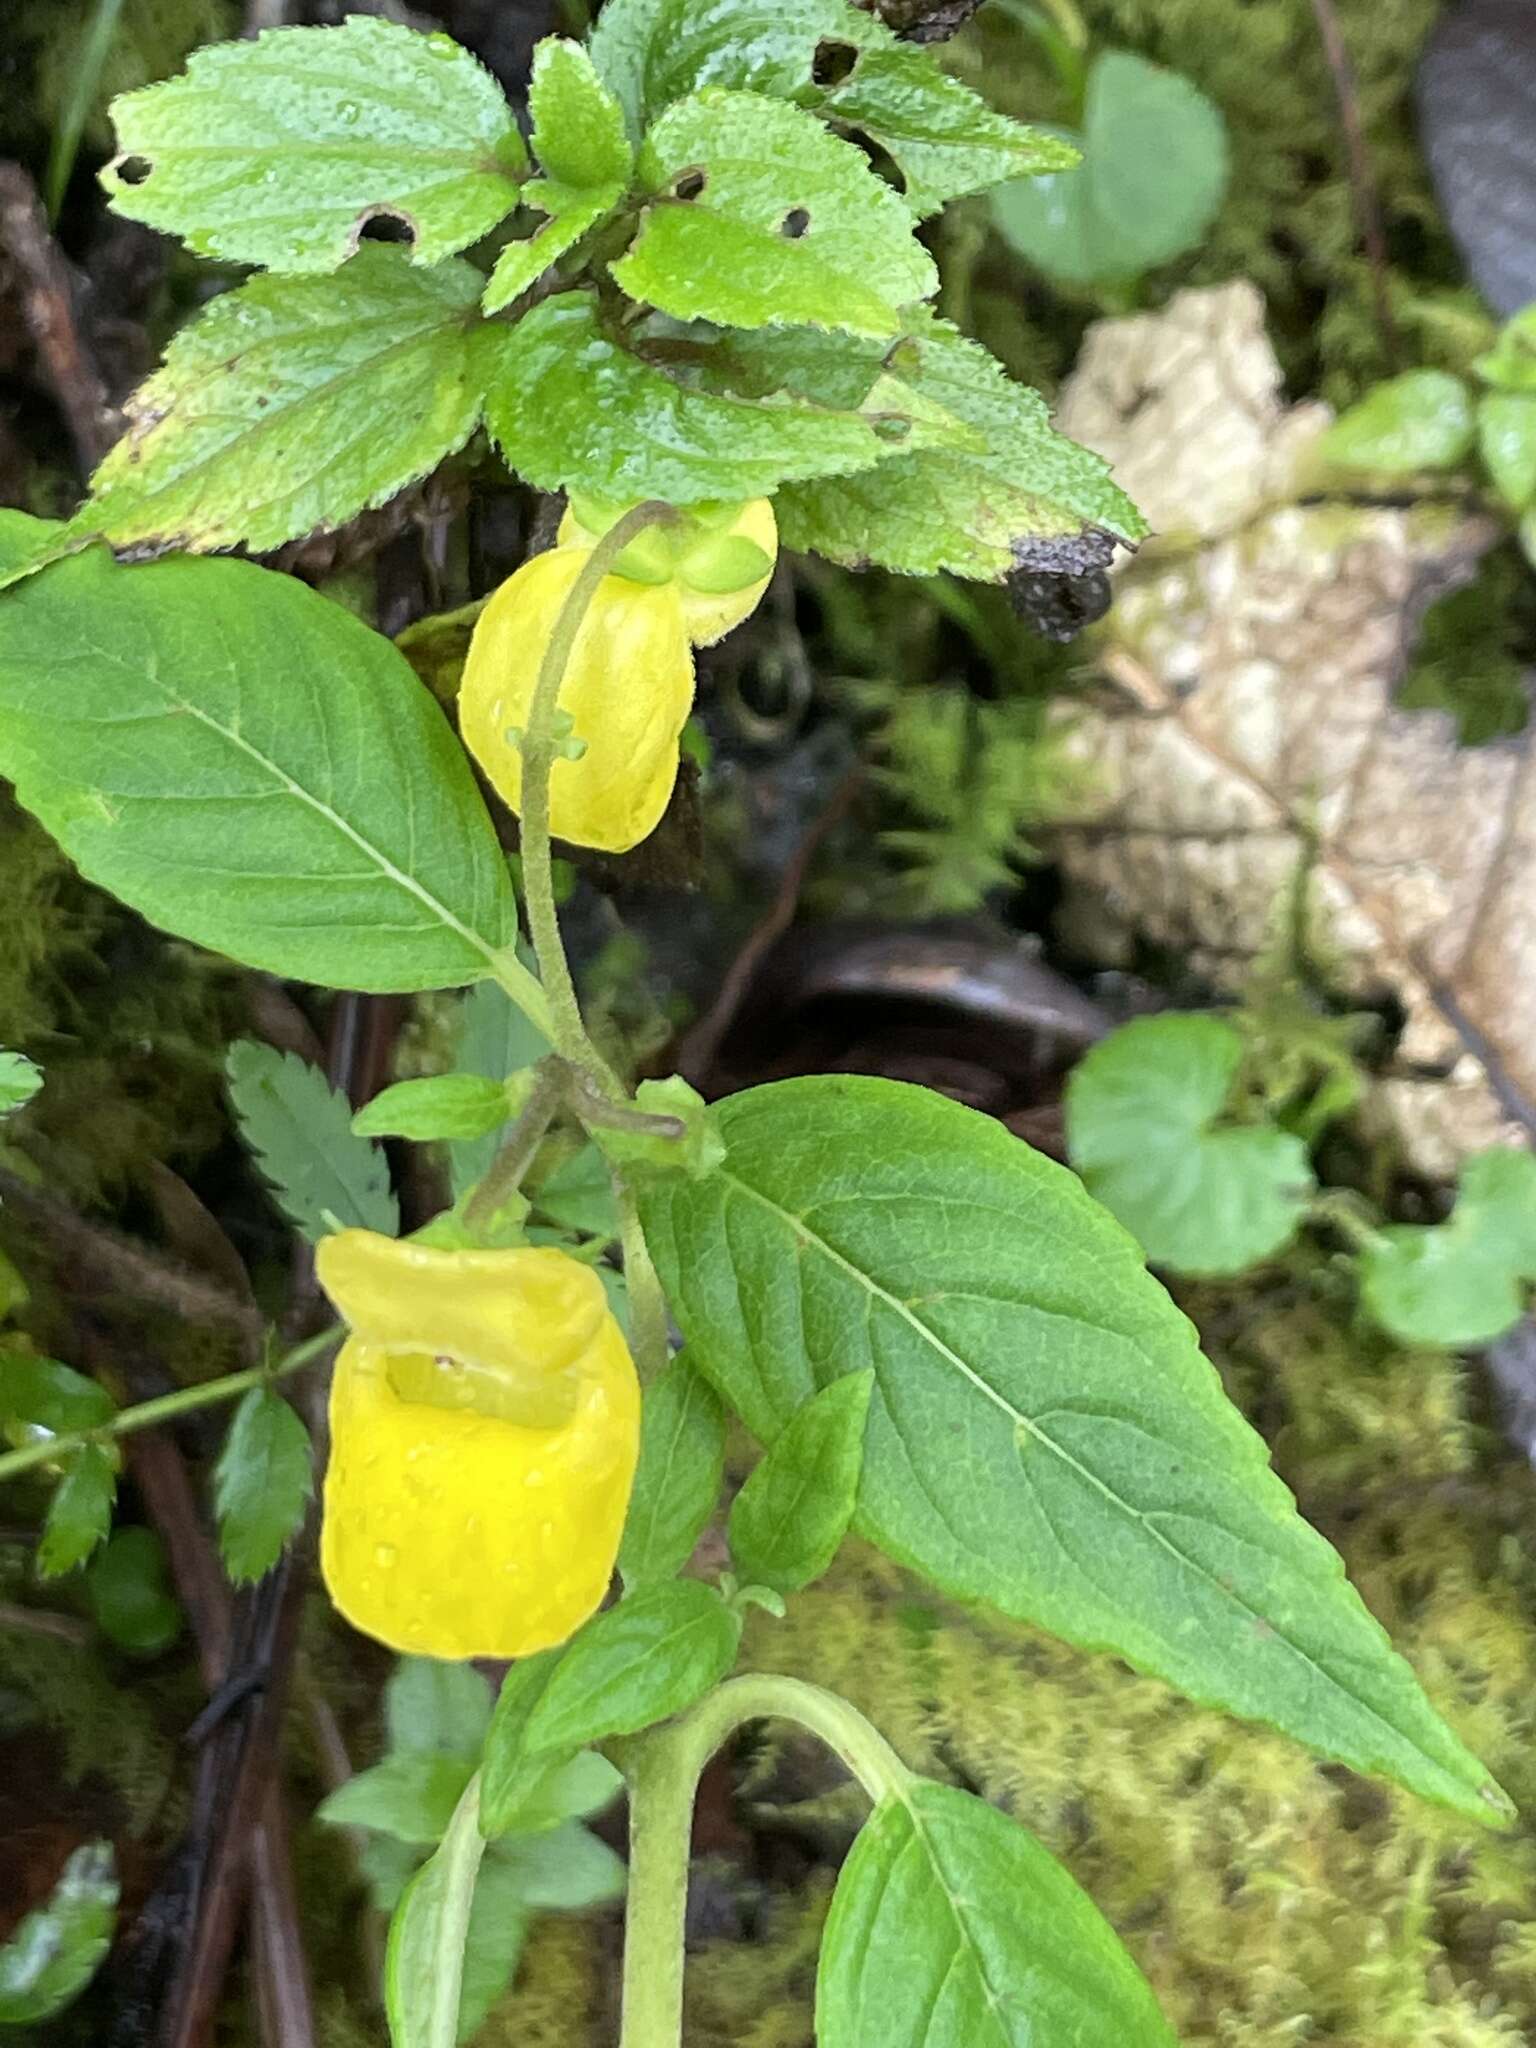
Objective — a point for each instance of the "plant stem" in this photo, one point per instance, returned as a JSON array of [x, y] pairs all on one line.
[[649, 1335], [538, 746], [504, 1176], [165, 1407], [663, 1767]]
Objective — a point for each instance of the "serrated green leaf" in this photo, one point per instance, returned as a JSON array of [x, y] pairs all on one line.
[[499, 1919], [432, 1705], [261, 1484], [299, 1131], [1506, 437], [788, 1520], [1464, 1281], [279, 151], [951, 1924], [578, 125], [677, 1480], [510, 1770], [1145, 1131], [19, 1081], [569, 1789], [1153, 175], [572, 213], [291, 404], [1021, 495], [438, 1106], [636, 1663], [655, 436], [246, 764], [56, 1950], [945, 139], [1105, 1487], [128, 1584], [80, 1512], [428, 1933], [563, 1870], [652, 52], [494, 1039], [1422, 420], [761, 218], [410, 1795], [524, 1789], [42, 1394]]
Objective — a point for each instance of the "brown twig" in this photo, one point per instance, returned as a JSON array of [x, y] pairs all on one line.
[[46, 291], [1362, 177], [95, 1261]]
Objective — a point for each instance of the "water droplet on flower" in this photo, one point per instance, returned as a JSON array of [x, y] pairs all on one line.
[[533, 1476], [385, 1554]]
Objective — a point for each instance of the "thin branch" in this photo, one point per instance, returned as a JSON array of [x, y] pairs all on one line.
[[94, 1260], [46, 291], [1362, 177]]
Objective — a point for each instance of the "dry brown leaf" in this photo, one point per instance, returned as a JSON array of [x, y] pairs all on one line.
[[1251, 733]]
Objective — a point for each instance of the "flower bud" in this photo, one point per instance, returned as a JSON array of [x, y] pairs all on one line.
[[701, 545], [485, 1421]]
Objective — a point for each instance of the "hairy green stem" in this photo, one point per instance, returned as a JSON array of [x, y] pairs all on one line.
[[166, 1407], [504, 1176], [649, 1338], [538, 747], [663, 1767]]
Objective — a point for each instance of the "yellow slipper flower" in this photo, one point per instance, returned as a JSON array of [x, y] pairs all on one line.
[[709, 614], [627, 691], [485, 1420]]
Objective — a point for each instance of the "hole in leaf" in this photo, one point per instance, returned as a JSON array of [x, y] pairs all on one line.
[[386, 227], [833, 62], [688, 184], [795, 223], [878, 157], [133, 170]]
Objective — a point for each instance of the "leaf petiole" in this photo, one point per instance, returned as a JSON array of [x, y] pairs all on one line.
[[165, 1407]]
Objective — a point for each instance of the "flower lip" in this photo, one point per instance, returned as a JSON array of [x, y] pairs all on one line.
[[498, 1333]]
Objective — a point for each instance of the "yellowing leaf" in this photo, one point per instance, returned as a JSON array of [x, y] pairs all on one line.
[[291, 404]]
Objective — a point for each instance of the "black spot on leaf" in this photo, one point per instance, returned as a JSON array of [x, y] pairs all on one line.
[[795, 223]]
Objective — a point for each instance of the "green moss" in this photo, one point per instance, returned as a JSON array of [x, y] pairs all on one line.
[[1270, 1899], [1288, 222]]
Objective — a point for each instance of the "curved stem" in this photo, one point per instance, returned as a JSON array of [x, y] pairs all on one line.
[[165, 1407], [538, 744], [649, 1331], [663, 1768], [504, 1176]]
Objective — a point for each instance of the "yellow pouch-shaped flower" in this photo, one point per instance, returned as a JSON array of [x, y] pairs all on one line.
[[708, 614], [485, 1420], [627, 691]]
